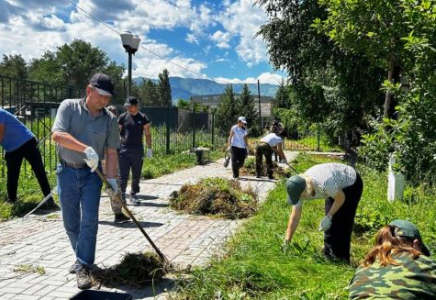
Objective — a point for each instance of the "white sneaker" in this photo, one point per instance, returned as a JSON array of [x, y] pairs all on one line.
[[134, 199]]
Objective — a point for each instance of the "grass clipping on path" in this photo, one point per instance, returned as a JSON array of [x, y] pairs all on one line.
[[216, 196], [135, 269]]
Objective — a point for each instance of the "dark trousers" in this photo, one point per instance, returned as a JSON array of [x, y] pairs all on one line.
[[238, 158], [131, 158], [264, 149], [338, 238], [14, 159]]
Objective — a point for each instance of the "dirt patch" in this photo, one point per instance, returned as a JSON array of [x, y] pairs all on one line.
[[216, 196], [135, 269]]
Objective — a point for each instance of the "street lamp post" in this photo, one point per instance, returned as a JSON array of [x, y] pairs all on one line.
[[131, 44]]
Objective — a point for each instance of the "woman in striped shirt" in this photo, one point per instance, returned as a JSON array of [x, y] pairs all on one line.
[[342, 187]]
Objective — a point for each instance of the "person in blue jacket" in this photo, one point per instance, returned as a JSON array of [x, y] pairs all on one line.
[[20, 143]]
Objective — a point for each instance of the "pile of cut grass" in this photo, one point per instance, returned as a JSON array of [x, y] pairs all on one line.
[[216, 196], [135, 269], [249, 169]]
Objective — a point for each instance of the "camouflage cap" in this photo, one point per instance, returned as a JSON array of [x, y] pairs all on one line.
[[408, 229]]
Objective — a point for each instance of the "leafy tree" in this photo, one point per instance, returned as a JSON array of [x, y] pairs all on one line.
[[330, 86], [227, 109], [46, 68], [281, 99], [149, 93], [14, 66], [181, 103], [73, 65], [164, 89], [372, 28], [246, 107], [411, 137]]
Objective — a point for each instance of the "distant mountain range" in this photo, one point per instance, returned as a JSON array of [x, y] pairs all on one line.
[[184, 88]]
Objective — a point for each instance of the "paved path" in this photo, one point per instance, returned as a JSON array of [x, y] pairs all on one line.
[[40, 240]]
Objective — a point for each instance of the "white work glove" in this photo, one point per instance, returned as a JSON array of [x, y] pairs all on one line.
[[91, 158], [325, 224], [112, 192], [285, 246], [149, 153]]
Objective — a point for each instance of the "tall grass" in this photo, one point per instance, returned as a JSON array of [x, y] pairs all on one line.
[[256, 268]]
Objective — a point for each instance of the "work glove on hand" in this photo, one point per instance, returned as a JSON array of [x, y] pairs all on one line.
[[113, 191], [325, 224], [149, 153], [285, 246], [91, 158]]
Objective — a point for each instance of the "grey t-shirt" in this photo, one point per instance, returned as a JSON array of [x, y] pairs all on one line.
[[98, 132]]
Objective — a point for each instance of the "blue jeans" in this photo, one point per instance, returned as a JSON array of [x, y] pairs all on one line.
[[79, 194]]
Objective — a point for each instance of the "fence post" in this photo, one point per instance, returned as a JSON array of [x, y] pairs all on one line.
[[213, 130], [168, 124], [193, 127]]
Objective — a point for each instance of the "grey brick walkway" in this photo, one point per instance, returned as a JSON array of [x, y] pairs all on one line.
[[40, 240]]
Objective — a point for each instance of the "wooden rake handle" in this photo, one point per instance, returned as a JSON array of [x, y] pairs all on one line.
[[118, 198]]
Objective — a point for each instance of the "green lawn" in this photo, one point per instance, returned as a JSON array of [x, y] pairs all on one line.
[[255, 267]]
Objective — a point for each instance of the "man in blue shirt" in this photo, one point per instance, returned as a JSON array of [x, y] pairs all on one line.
[[19, 143]]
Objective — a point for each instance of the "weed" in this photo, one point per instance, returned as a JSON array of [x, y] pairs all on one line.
[[29, 269]]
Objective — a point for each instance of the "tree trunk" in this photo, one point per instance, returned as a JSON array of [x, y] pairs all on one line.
[[390, 103]]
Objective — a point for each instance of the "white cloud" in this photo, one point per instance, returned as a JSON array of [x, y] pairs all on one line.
[[190, 38], [270, 78], [33, 27], [150, 68], [243, 19], [221, 38]]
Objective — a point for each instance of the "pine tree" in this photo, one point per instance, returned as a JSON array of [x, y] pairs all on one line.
[[164, 88], [281, 99], [227, 109], [246, 108]]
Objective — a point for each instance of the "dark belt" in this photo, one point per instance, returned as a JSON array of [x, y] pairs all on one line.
[[74, 165]]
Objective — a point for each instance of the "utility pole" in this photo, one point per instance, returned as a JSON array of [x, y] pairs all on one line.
[[260, 113]]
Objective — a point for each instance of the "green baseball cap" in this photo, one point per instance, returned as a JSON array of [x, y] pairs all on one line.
[[295, 185], [408, 229]]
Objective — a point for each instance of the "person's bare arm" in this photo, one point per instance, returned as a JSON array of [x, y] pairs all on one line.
[[111, 162], [280, 151], [339, 201], [229, 141], [68, 141], [294, 219], [147, 135], [246, 141], [2, 131]]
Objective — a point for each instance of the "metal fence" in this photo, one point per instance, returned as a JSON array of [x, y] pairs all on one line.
[[35, 104]]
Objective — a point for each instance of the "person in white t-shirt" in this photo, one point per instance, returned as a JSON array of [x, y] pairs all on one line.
[[342, 187], [270, 143], [239, 143]]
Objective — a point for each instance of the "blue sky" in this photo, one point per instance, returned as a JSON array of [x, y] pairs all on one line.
[[191, 38]]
